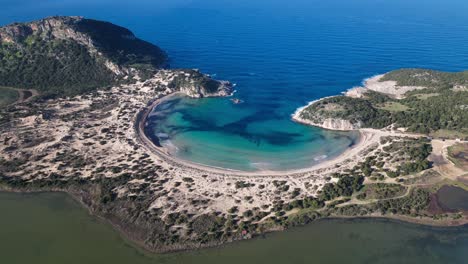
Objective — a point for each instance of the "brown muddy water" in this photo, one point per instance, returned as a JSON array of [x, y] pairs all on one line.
[[52, 228]]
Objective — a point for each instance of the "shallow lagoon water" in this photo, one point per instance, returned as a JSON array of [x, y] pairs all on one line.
[[218, 133], [51, 228]]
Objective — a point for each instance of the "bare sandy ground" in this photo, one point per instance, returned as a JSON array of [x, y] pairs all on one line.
[[388, 87], [442, 163]]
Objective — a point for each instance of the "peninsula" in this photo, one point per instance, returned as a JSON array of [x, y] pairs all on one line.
[[76, 125]]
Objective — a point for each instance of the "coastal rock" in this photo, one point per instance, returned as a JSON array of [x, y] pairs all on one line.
[[320, 118], [339, 124], [331, 123], [64, 28], [196, 85], [92, 53]]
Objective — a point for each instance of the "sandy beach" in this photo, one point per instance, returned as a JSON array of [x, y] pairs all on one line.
[[367, 138]]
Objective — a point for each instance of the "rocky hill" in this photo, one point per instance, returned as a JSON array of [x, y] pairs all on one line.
[[419, 100], [72, 55]]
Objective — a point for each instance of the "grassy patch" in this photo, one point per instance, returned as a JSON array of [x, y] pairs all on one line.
[[427, 177], [393, 107], [446, 181], [458, 154], [382, 191], [445, 133], [333, 107], [7, 96], [425, 96]]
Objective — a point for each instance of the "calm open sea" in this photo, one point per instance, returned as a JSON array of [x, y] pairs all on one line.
[[282, 55]]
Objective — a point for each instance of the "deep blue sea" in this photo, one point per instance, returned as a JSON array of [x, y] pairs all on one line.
[[281, 54]]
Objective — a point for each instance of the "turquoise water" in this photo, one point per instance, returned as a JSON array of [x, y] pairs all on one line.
[[218, 133], [281, 55], [52, 229]]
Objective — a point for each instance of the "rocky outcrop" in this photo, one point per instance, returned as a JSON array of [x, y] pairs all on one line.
[[196, 85], [78, 55], [329, 123], [48, 29], [339, 124], [194, 90], [318, 119], [111, 44]]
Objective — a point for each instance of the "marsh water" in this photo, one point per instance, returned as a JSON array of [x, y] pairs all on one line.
[[51, 228], [453, 198]]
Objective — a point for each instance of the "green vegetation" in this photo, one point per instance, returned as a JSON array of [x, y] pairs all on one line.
[[400, 158], [121, 46], [413, 204], [58, 67], [353, 109], [393, 107], [345, 186], [415, 152], [7, 96], [65, 66], [243, 184], [382, 191], [444, 133], [427, 78], [425, 96], [458, 154], [440, 107], [445, 111], [197, 79]]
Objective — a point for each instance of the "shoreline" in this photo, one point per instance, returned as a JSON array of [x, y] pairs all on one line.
[[366, 138], [128, 239], [296, 116], [217, 193]]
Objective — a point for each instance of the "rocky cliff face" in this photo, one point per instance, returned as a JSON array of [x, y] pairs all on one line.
[[195, 90], [328, 123], [74, 55], [48, 29], [339, 124], [102, 39], [195, 84]]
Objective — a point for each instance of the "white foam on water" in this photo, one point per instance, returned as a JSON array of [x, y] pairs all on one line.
[[169, 146], [321, 157]]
